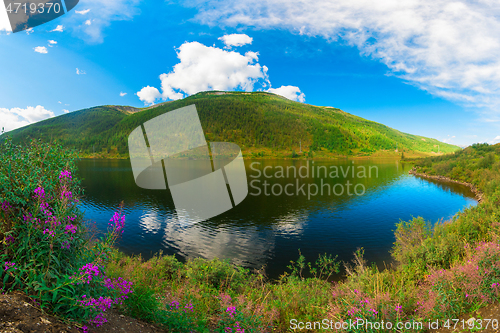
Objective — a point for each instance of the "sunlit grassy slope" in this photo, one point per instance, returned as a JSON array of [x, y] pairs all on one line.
[[261, 123]]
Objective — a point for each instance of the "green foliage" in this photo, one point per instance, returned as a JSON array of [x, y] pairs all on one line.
[[260, 120], [142, 304], [487, 161], [325, 266], [46, 252], [217, 274], [409, 235], [23, 169], [478, 164]]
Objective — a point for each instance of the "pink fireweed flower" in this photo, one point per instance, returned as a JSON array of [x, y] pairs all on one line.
[[45, 208], [50, 232], [6, 207], [398, 308], [9, 265], [99, 320], [103, 303], [87, 272], [231, 310], [65, 174], [124, 286], [40, 193], [352, 311], [119, 222], [225, 297], [70, 228], [66, 194], [238, 328], [9, 239]]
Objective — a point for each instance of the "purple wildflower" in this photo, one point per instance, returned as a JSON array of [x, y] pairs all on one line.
[[231, 310], [40, 193], [6, 207], [65, 174], [70, 228], [9, 265], [119, 222]]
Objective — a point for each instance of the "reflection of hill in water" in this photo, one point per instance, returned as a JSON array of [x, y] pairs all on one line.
[[450, 186], [269, 230]]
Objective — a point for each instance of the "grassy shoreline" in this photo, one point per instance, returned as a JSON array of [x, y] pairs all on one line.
[[266, 154]]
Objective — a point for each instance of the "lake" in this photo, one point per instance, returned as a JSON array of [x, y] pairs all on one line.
[[276, 220]]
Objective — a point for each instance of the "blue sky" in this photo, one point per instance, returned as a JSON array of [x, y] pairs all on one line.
[[426, 69]]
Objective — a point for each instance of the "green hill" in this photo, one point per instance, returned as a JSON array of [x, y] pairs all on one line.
[[262, 124]]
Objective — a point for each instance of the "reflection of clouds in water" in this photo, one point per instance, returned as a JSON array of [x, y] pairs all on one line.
[[292, 224], [150, 222], [243, 246]]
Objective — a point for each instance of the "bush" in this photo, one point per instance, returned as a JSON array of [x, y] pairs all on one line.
[[218, 274], [487, 161], [46, 252]]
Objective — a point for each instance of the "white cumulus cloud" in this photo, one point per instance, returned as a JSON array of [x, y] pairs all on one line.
[[204, 68], [52, 42], [291, 92], [41, 49], [59, 28], [88, 22], [236, 40], [122, 94], [11, 119], [149, 95], [65, 111], [449, 48], [80, 72]]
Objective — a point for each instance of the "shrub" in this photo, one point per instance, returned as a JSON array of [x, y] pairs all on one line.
[[46, 253], [218, 274]]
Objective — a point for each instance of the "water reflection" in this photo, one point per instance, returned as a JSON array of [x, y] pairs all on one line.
[[269, 230]]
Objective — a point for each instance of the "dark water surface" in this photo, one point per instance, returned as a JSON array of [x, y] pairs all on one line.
[[269, 229]]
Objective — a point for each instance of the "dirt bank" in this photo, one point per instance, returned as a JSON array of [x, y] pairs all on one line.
[[18, 314]]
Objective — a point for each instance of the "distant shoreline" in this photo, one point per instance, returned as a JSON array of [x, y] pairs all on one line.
[[254, 155], [479, 195]]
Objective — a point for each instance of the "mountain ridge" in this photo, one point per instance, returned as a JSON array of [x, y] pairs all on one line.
[[262, 123]]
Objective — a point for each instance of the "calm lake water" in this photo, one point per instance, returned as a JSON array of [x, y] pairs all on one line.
[[269, 229]]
